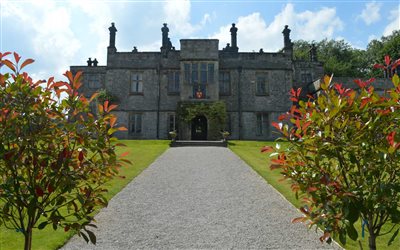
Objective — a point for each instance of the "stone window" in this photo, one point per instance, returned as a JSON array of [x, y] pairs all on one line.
[[262, 87], [136, 83], [199, 73], [173, 82], [262, 124], [228, 123], [93, 81], [135, 123], [172, 125], [306, 78], [224, 83]]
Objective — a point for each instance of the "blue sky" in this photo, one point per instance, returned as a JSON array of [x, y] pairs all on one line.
[[59, 33]]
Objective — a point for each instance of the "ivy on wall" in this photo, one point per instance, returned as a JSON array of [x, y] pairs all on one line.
[[215, 111]]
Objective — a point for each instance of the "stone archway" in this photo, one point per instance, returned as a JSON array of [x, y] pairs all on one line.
[[199, 128]]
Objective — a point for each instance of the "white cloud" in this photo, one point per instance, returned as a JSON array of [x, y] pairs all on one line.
[[372, 37], [177, 15], [51, 31], [371, 13], [394, 24], [254, 33]]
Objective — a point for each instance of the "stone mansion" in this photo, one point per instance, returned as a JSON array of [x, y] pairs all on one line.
[[158, 92]]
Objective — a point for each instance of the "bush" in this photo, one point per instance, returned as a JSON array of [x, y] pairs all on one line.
[[54, 154], [344, 158]]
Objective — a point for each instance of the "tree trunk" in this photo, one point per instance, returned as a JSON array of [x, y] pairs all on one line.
[[372, 240], [28, 239]]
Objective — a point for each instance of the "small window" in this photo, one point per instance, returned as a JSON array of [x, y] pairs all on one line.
[[136, 123], [262, 87], [136, 83], [172, 126], [228, 123], [187, 73], [306, 78], [93, 81], [173, 82], [211, 73], [224, 83], [195, 73], [262, 124]]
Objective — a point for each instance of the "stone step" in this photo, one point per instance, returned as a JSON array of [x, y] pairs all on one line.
[[199, 143]]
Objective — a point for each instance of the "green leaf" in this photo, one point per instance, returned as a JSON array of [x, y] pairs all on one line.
[[393, 237], [396, 80], [353, 214], [91, 236], [42, 225], [352, 232], [84, 237], [342, 238]]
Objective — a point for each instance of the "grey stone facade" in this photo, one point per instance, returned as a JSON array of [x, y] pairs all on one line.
[[149, 86]]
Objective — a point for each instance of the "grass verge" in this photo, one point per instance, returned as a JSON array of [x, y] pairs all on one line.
[[249, 151], [141, 152]]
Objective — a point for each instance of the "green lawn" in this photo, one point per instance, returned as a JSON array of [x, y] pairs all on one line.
[[142, 154], [249, 151]]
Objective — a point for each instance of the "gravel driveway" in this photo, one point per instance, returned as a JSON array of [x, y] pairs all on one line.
[[199, 198]]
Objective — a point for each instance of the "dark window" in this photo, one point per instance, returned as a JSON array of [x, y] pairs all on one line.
[[93, 81], [228, 123], [224, 83], [173, 82], [187, 73], [195, 73], [199, 73], [203, 74], [211, 73], [136, 83], [306, 78], [262, 87], [262, 124], [172, 126], [136, 123]]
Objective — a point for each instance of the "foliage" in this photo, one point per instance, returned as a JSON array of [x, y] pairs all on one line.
[[54, 154], [344, 158], [341, 59], [48, 239], [214, 111], [105, 95]]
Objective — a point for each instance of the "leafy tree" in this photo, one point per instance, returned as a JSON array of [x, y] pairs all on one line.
[[343, 158], [54, 155]]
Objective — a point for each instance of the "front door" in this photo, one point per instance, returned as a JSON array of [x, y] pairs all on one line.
[[199, 128]]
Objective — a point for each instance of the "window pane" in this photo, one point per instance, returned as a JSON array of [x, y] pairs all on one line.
[[138, 123], [259, 124], [187, 73], [203, 68], [177, 76], [139, 87], [210, 73], [195, 73]]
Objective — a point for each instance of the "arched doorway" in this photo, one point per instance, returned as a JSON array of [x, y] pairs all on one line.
[[199, 128]]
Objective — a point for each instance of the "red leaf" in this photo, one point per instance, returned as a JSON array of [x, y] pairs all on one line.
[[365, 101], [395, 64], [9, 64], [4, 54], [267, 149], [122, 129], [112, 121], [387, 60], [39, 191], [68, 74], [390, 138], [80, 157], [312, 189], [278, 126], [106, 106], [111, 107], [379, 66], [124, 154], [66, 228], [282, 117], [17, 57], [274, 166], [299, 219], [27, 62], [50, 189]]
